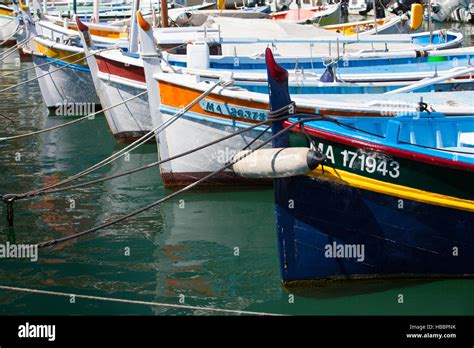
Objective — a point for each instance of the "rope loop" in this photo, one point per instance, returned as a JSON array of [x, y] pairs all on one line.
[[289, 109]]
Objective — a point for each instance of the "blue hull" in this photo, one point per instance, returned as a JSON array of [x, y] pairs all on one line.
[[419, 240], [355, 89], [370, 65]]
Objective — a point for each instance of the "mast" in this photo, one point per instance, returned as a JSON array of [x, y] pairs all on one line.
[[133, 37], [164, 13], [430, 22], [375, 17], [95, 12]]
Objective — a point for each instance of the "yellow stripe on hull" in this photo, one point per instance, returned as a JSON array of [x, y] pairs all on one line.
[[351, 29], [362, 182], [6, 13], [59, 54], [104, 33]]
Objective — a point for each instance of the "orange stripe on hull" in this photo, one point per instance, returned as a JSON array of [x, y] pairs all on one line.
[[177, 96]]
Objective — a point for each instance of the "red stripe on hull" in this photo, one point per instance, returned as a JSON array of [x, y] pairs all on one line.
[[220, 179], [119, 69], [437, 161], [25, 56]]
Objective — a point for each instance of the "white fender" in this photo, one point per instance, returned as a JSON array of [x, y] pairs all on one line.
[[277, 162]]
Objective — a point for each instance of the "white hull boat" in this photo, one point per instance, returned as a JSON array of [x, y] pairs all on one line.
[[8, 26], [119, 81], [71, 85]]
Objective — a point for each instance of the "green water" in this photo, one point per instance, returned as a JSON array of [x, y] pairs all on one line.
[[183, 247]]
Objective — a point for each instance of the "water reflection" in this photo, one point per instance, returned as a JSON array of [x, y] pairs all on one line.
[[180, 248], [215, 247]]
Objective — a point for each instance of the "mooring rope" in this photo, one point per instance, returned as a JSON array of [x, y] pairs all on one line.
[[7, 118], [147, 166], [12, 49], [49, 72], [150, 134], [173, 194], [62, 125], [135, 144], [39, 65], [137, 302], [10, 198]]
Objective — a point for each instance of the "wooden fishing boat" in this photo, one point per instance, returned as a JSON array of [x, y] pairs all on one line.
[[121, 13], [228, 109], [8, 26], [322, 15], [65, 80], [233, 50], [227, 29], [331, 84], [259, 9], [119, 76], [438, 63], [394, 197], [189, 168], [72, 85], [199, 18], [104, 36], [388, 25]]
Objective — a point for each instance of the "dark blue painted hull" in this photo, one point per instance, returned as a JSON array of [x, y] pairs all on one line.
[[417, 240]]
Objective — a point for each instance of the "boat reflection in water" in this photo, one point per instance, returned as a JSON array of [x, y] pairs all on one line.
[[213, 262]]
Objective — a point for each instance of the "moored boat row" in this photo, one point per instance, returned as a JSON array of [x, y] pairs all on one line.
[[368, 139]]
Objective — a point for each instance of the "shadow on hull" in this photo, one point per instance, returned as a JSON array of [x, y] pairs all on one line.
[[334, 288]]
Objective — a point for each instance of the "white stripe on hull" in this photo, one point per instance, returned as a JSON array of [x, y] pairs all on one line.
[[186, 134]]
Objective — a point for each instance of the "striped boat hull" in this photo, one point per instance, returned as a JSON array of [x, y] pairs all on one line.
[[7, 28], [401, 238], [409, 215], [117, 83], [69, 86]]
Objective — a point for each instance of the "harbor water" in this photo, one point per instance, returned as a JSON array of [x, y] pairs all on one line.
[[210, 247]]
